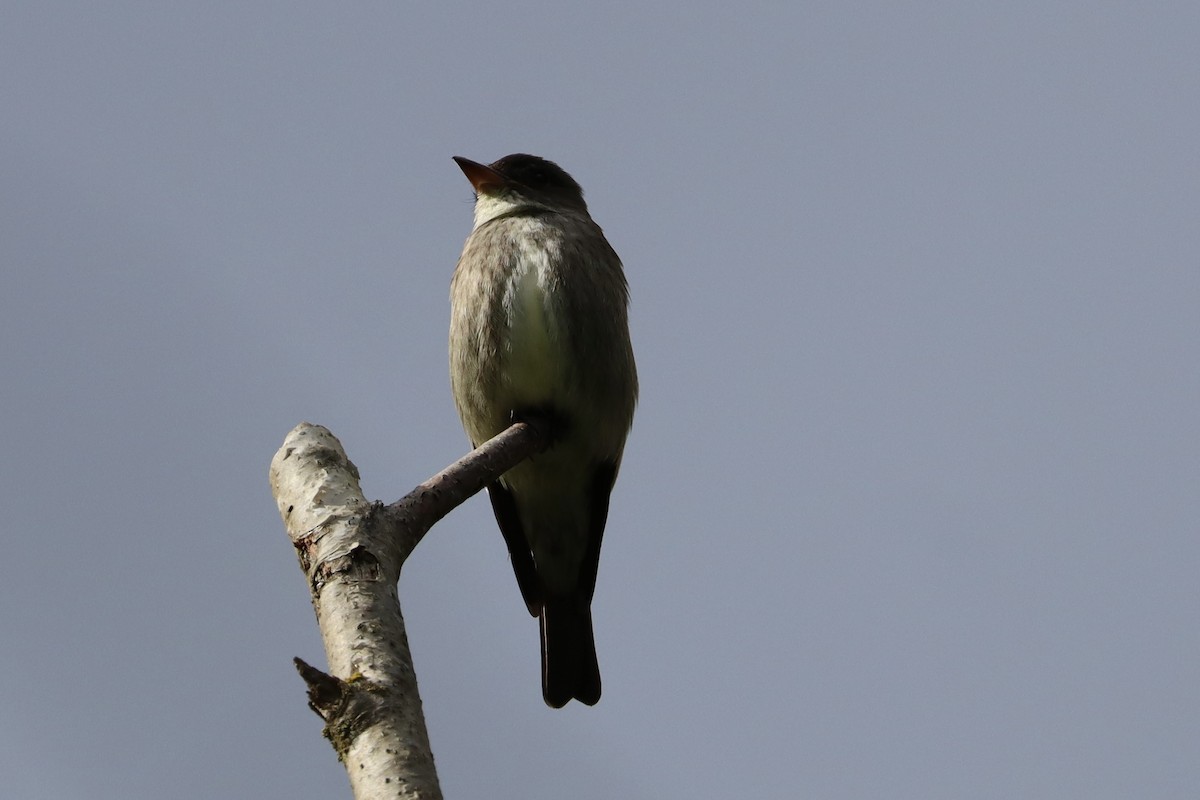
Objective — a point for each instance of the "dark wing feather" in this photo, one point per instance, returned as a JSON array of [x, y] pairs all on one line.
[[505, 508], [598, 493]]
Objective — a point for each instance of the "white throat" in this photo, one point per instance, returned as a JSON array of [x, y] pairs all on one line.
[[490, 206]]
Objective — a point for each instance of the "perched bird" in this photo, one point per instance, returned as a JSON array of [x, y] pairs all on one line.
[[539, 331]]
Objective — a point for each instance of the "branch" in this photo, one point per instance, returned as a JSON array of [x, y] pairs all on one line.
[[351, 552]]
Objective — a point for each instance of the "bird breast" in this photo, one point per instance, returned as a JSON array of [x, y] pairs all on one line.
[[534, 354]]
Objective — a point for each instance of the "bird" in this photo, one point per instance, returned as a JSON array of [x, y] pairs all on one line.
[[539, 332]]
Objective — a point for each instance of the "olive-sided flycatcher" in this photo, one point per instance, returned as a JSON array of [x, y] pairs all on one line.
[[539, 331]]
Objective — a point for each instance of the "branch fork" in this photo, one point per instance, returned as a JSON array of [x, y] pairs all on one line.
[[351, 552]]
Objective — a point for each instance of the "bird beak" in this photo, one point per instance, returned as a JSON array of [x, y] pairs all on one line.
[[485, 179]]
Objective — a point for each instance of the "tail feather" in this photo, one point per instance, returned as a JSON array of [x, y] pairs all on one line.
[[569, 666]]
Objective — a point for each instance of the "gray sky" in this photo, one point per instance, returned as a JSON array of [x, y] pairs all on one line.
[[910, 505]]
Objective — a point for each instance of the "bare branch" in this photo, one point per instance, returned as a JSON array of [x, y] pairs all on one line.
[[351, 552], [415, 513]]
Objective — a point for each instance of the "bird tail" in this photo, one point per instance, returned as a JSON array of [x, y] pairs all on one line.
[[569, 667]]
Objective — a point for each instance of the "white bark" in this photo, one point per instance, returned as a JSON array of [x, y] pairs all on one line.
[[373, 713], [351, 552]]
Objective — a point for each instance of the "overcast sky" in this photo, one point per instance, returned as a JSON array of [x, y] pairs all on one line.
[[909, 509]]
